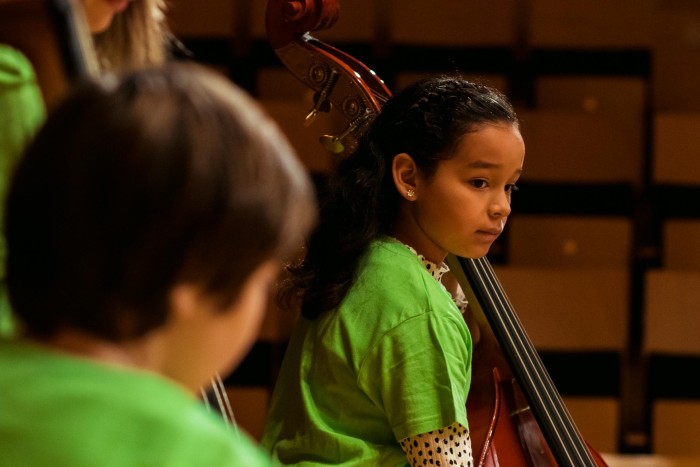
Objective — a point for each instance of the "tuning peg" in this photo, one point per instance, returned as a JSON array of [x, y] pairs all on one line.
[[329, 77], [335, 143], [332, 143], [322, 104]]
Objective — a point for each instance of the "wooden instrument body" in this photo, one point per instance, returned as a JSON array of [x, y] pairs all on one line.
[[507, 372]]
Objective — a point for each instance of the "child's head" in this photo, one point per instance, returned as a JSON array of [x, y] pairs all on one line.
[[162, 181], [426, 120], [429, 124], [455, 153]]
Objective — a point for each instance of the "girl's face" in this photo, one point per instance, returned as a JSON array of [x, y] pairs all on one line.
[[463, 207], [100, 13]]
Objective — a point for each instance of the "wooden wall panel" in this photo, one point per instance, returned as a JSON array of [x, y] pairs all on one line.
[[568, 241]]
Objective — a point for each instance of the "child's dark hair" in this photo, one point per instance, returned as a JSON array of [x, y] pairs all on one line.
[[427, 121], [165, 176]]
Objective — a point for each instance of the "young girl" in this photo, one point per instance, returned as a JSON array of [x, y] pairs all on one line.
[[145, 225], [379, 366]]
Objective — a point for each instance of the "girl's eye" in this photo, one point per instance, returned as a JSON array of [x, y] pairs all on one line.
[[479, 183], [511, 188]]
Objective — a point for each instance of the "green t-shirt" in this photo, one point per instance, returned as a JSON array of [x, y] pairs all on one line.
[[394, 360], [21, 113], [58, 410]]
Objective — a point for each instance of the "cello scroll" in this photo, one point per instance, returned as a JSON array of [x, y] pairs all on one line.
[[338, 80]]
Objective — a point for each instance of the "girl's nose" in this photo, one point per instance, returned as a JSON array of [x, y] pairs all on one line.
[[500, 207]]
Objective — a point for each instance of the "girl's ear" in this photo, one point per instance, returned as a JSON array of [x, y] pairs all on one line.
[[185, 301], [405, 173]]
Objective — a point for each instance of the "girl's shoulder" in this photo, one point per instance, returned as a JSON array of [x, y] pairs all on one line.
[[389, 251], [392, 274]]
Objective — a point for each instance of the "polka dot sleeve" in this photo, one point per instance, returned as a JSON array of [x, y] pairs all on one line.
[[449, 446]]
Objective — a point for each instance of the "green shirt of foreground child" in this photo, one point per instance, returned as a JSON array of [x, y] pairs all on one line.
[[145, 225], [115, 417]]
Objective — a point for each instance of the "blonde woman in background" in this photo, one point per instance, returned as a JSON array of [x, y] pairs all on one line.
[[127, 35]]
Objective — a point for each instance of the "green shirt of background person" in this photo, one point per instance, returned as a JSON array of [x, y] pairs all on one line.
[[22, 112]]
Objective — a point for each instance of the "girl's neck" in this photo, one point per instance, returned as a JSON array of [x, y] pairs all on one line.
[[409, 232], [437, 257]]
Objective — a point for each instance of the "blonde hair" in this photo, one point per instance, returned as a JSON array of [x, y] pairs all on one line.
[[138, 37]]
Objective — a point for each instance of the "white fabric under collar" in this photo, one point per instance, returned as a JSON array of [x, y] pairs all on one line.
[[437, 271]]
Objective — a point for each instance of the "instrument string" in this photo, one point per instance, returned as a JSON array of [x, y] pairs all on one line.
[[222, 401], [536, 382]]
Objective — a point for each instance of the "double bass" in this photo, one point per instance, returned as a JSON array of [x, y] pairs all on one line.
[[516, 415]]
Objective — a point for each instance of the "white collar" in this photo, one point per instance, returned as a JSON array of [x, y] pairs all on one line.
[[435, 270]]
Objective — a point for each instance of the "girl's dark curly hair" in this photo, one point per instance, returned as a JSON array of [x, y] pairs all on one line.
[[427, 121]]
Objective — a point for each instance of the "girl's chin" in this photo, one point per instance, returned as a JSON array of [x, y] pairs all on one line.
[[474, 253]]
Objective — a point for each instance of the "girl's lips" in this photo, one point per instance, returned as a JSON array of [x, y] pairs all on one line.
[[490, 235]]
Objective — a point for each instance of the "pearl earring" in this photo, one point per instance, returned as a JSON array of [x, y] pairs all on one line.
[[410, 193]]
